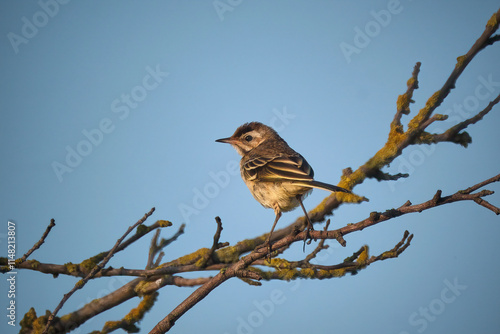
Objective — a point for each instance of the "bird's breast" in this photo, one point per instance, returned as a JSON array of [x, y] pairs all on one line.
[[281, 194]]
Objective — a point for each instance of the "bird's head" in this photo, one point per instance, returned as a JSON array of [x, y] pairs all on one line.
[[249, 136]]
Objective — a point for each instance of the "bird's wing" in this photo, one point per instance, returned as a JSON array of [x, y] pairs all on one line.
[[278, 168], [293, 169]]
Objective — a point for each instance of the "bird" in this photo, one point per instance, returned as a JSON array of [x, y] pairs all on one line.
[[277, 176]]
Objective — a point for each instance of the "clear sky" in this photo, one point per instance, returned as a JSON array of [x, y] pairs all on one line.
[[111, 108]]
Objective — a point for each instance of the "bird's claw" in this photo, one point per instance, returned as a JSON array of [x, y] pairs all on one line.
[[267, 245], [307, 237]]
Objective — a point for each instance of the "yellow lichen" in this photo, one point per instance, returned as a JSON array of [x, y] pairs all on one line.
[[337, 272], [67, 317], [279, 263], [87, 265], [33, 263], [460, 60], [320, 207], [28, 319], [425, 138], [403, 102], [139, 288], [388, 255], [441, 117], [374, 215], [193, 257], [71, 268], [80, 284], [308, 272], [323, 274], [231, 254], [39, 325], [287, 274], [410, 82], [137, 313], [349, 198], [492, 22], [363, 256], [99, 257], [252, 243], [142, 229], [423, 114], [111, 325], [228, 254], [202, 261], [433, 99], [164, 223]]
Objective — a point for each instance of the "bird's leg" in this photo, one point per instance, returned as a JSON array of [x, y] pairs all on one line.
[[268, 242], [277, 211], [309, 223]]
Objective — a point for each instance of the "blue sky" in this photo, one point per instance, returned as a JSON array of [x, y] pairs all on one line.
[[109, 109]]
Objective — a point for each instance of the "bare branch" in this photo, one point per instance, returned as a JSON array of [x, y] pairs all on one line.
[[80, 284], [158, 246], [141, 231], [237, 268], [135, 315], [453, 134], [487, 205], [40, 242], [216, 244], [153, 249], [481, 184]]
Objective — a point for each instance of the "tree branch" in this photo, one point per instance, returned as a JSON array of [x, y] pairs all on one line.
[[398, 139], [80, 284], [362, 256], [39, 243], [453, 134]]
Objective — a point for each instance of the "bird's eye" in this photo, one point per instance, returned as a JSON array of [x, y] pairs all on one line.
[[248, 138]]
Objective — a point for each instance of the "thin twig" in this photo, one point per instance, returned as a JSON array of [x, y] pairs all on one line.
[[487, 205], [215, 245], [453, 134], [158, 246], [80, 284], [137, 236], [153, 249], [166, 242], [321, 246], [40, 242], [475, 187], [217, 234]]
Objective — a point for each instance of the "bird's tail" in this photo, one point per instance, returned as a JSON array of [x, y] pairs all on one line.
[[321, 185]]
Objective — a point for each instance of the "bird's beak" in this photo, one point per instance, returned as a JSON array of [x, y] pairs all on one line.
[[225, 140]]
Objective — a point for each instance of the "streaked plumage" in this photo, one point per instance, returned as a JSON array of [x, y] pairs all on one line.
[[277, 176]]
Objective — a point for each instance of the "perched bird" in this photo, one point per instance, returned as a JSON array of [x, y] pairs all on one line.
[[277, 176]]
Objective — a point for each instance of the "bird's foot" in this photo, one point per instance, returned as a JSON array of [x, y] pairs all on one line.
[[267, 246], [307, 236]]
